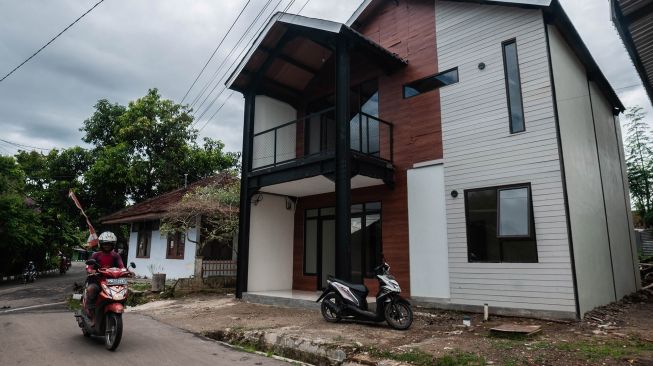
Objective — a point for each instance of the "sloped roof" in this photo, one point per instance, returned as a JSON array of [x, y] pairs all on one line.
[[261, 50], [634, 22], [155, 207]]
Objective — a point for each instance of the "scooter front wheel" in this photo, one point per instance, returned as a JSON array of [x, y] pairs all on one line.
[[399, 314], [113, 333], [329, 302]]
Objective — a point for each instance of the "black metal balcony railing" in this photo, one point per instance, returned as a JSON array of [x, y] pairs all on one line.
[[315, 134]]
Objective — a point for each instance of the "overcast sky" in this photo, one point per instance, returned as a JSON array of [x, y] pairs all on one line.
[[125, 47]]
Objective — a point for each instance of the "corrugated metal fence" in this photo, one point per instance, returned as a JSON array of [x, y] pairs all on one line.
[[645, 242]]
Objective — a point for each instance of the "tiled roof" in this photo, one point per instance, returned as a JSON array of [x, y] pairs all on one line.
[[155, 207]]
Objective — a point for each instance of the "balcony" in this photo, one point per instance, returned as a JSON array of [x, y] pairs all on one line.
[[305, 148]]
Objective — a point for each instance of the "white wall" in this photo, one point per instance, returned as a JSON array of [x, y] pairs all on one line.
[[270, 245], [590, 230], [173, 268], [621, 246], [270, 113], [480, 151], [427, 230]]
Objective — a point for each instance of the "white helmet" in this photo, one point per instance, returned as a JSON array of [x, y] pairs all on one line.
[[107, 237]]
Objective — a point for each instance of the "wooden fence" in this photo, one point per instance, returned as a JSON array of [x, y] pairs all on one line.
[[217, 268]]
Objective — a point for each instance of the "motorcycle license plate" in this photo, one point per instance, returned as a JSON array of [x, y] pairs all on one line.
[[116, 281]]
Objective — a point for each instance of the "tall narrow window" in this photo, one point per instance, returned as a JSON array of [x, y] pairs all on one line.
[[175, 246], [513, 87]]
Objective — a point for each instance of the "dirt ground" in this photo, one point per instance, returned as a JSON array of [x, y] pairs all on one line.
[[618, 334]]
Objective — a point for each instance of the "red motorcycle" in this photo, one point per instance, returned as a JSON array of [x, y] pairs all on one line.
[[110, 304]]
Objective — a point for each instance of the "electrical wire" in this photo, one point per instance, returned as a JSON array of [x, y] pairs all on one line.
[[216, 112], [217, 71], [215, 50], [236, 60], [220, 82], [24, 146], [52, 40]]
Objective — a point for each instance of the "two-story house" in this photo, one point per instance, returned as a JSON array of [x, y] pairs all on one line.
[[474, 145]]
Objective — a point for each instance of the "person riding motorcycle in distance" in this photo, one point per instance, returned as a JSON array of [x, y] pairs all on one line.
[[106, 258]]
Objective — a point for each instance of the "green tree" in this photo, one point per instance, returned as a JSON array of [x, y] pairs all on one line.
[[639, 151], [155, 138], [215, 206], [20, 230]]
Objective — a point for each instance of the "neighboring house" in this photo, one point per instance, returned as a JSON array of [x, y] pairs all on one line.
[[473, 144], [634, 21], [175, 254]]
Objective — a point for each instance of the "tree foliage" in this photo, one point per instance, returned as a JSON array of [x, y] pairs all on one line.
[[20, 232], [639, 154], [213, 207], [137, 151]]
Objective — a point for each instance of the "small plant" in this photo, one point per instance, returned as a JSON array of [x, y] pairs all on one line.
[[72, 304]]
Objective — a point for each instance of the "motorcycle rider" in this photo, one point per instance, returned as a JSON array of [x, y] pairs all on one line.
[[106, 258], [30, 271]]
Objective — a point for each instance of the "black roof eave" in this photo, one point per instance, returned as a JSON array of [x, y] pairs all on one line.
[[623, 28]]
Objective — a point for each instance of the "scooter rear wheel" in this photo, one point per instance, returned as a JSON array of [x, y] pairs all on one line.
[[399, 315], [113, 333], [328, 314]]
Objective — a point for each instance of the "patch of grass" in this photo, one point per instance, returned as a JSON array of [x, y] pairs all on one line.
[[413, 356], [73, 305], [616, 349], [461, 359], [421, 358], [140, 286]]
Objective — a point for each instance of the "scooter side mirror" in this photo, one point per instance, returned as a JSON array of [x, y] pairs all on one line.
[[132, 265], [92, 262]]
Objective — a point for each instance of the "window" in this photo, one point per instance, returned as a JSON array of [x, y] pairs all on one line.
[[366, 244], [175, 246], [143, 246], [513, 87], [433, 82], [144, 237], [500, 225]]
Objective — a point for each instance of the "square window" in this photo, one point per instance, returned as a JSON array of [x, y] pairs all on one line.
[[500, 225]]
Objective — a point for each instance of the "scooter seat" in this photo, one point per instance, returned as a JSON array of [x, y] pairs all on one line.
[[354, 286]]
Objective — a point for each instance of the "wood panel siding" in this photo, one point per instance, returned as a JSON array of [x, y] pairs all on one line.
[[480, 151], [408, 29]]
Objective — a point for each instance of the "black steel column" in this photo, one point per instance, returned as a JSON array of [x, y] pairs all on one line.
[[343, 175], [245, 201]]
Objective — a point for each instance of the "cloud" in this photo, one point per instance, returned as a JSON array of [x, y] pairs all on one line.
[[123, 48]]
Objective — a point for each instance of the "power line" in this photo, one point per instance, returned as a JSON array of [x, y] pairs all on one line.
[[25, 146], [216, 112], [217, 71], [52, 40], [216, 50], [235, 61]]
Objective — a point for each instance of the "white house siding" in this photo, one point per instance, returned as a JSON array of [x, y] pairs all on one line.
[[479, 151], [270, 244], [270, 113], [621, 246], [173, 268]]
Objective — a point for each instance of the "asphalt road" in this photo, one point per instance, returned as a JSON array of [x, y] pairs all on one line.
[[50, 289], [49, 335]]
